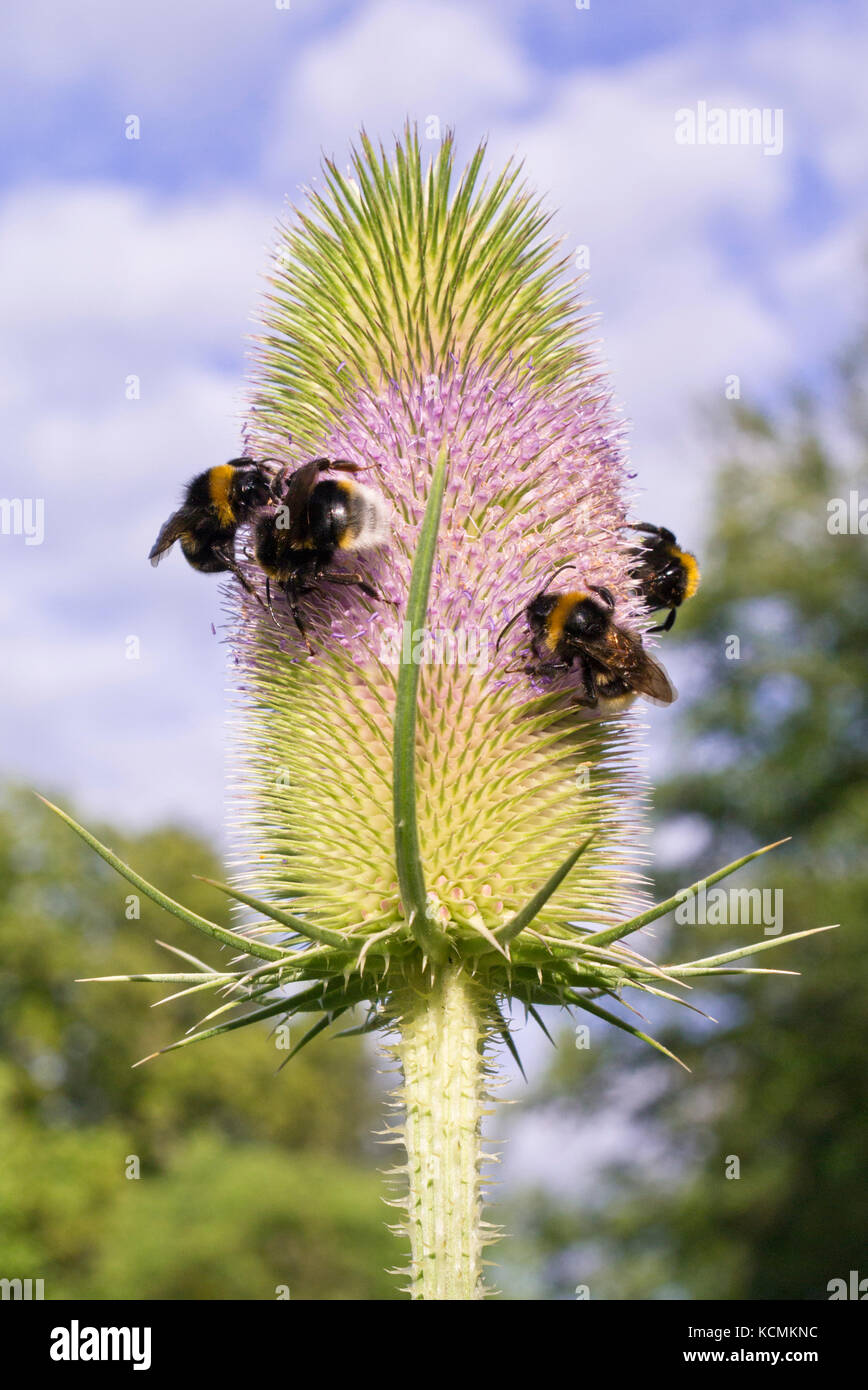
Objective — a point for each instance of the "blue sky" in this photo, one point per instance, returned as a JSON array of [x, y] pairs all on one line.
[[145, 257]]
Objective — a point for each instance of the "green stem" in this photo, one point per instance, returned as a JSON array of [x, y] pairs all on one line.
[[441, 1055]]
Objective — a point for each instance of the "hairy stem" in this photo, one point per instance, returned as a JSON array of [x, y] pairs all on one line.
[[441, 1056]]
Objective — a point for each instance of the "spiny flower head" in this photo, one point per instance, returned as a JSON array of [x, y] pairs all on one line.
[[510, 775], [415, 793]]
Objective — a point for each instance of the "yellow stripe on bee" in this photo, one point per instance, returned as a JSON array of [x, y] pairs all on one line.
[[691, 570], [220, 486], [558, 616]]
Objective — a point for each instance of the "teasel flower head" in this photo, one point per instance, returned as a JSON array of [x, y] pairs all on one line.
[[430, 830], [410, 329]]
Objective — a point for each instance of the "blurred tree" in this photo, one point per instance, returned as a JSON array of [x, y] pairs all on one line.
[[776, 732], [230, 1152]]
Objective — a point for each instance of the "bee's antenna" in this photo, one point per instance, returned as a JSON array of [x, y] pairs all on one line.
[[570, 565], [505, 630]]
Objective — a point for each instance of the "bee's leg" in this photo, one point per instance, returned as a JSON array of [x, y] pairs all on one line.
[[339, 465], [245, 584], [589, 676], [668, 625], [242, 580], [545, 665], [540, 668], [224, 562], [268, 605], [228, 563], [293, 593], [360, 583], [644, 526]]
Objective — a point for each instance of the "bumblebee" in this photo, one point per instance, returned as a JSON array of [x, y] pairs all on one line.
[[667, 574], [296, 543], [576, 628], [215, 504]]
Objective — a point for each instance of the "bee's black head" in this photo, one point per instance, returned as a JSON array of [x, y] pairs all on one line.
[[538, 610], [589, 616], [251, 485]]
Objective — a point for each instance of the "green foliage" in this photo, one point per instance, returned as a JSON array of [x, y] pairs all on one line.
[[230, 1150], [781, 734], [788, 1083], [778, 744]]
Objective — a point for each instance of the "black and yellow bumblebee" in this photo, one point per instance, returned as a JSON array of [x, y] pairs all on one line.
[[296, 543], [576, 628], [215, 504], [667, 575]]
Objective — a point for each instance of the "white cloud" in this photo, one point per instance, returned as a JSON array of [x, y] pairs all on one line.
[[71, 695], [815, 69], [100, 264], [693, 260], [195, 56], [389, 61], [99, 282]]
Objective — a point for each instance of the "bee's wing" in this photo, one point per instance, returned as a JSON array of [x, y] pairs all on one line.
[[301, 484], [653, 682], [177, 525], [623, 655]]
